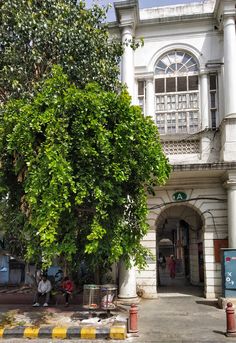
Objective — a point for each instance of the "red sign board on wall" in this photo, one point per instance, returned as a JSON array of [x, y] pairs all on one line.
[[219, 244]]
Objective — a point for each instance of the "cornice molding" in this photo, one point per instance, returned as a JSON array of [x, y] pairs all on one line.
[[127, 13], [206, 166], [224, 9], [229, 179], [144, 76], [231, 185]]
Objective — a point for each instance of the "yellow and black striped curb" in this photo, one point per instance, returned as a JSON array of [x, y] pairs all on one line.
[[84, 332]]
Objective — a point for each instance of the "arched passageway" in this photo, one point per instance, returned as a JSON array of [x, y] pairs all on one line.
[[179, 237]]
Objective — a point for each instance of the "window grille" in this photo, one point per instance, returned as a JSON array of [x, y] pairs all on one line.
[[181, 147], [177, 93], [178, 122]]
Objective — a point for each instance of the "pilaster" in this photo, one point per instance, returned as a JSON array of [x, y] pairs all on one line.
[[230, 65], [204, 106], [228, 140], [228, 124], [150, 97], [127, 64], [230, 184], [204, 100]]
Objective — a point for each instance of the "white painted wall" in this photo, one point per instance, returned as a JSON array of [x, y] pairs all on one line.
[[195, 28], [191, 213]]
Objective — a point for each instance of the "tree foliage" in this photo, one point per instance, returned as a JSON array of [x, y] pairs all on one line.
[[35, 34], [76, 157], [76, 162]]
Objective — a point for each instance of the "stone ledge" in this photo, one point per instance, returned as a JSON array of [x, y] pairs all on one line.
[[115, 332], [222, 302]]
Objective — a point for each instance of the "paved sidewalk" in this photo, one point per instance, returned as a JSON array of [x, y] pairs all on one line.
[[173, 318], [182, 317]]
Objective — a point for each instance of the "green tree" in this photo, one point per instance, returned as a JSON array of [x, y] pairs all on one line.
[[77, 162], [36, 34]]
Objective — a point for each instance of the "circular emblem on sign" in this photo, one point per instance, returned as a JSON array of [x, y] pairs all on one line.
[[179, 196]]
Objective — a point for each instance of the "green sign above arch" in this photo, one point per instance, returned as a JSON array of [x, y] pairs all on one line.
[[179, 196]]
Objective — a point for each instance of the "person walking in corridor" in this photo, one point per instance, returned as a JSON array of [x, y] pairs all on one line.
[[172, 266]]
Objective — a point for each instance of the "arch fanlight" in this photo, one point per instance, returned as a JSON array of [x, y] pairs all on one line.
[[176, 62]]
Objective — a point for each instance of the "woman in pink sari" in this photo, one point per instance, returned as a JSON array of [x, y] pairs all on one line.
[[172, 266]]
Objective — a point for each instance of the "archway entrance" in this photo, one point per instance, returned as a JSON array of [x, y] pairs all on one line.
[[180, 263]]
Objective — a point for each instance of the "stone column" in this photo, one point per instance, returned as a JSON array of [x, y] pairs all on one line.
[[221, 94], [127, 13], [127, 65], [127, 277], [127, 283], [135, 98], [231, 190], [150, 98], [204, 107], [229, 65], [228, 124], [204, 101]]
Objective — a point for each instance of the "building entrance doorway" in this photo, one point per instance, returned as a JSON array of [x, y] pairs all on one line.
[[180, 261]]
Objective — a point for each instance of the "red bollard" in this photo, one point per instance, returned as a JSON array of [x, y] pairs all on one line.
[[133, 319], [230, 320]]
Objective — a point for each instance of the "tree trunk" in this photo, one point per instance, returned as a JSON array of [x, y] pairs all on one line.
[[97, 275]]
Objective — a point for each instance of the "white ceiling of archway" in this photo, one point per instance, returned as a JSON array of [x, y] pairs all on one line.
[[180, 212]]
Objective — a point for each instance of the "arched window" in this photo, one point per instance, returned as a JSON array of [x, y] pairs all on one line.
[[177, 93]]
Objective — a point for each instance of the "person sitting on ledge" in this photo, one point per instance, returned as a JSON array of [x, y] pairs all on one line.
[[44, 289], [67, 288]]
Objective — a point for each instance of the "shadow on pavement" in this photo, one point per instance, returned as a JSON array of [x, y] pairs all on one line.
[[219, 332], [212, 303], [185, 290]]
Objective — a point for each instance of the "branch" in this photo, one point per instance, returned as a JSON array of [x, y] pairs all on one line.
[[88, 210]]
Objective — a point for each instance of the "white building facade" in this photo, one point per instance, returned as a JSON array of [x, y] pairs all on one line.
[[184, 77]]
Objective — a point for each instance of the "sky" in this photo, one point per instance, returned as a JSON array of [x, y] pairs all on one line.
[[142, 4]]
